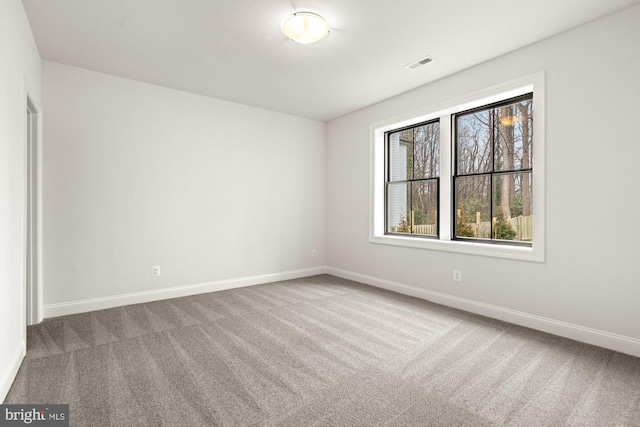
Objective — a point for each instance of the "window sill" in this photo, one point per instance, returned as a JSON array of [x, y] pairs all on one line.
[[522, 253]]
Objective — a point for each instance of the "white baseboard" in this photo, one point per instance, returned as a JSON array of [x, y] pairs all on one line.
[[584, 334], [83, 306], [9, 374], [604, 339]]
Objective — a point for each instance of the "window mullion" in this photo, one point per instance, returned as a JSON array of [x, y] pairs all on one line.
[[412, 178], [446, 179], [494, 132]]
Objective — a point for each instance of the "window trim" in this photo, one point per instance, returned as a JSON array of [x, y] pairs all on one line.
[[536, 252]]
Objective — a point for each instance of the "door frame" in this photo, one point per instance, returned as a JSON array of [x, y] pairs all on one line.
[[32, 164]]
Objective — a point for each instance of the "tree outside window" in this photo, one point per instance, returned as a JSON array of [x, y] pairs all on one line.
[[413, 170], [493, 185]]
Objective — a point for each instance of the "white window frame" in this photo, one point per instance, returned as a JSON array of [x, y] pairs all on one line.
[[533, 83]]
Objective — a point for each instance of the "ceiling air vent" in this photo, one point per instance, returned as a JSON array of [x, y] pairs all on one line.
[[419, 63]]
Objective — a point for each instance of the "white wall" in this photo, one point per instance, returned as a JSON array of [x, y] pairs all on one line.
[[591, 277], [138, 175], [20, 61]]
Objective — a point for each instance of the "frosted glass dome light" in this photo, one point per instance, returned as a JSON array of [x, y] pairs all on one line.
[[305, 27]]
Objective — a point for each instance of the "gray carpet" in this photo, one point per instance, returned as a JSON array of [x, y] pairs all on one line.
[[319, 351]]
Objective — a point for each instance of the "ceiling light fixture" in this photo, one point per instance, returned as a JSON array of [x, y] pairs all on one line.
[[305, 27]]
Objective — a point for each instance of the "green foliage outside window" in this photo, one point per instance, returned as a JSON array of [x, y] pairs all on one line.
[[502, 229]]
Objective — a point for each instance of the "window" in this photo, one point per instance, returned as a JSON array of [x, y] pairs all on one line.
[[465, 175], [493, 186], [412, 171]]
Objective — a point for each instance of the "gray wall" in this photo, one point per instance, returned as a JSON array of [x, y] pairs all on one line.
[[138, 175], [591, 277]]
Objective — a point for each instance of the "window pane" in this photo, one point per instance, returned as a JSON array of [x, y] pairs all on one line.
[[473, 207], [401, 155], [474, 143], [513, 207], [424, 212], [398, 208], [426, 152], [513, 149]]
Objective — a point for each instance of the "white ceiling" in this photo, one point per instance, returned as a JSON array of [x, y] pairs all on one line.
[[234, 50]]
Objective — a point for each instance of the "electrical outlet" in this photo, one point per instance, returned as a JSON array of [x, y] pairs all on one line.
[[155, 271], [314, 253], [457, 276]]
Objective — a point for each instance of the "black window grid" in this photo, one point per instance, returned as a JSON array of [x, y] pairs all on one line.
[[492, 174], [389, 182]]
